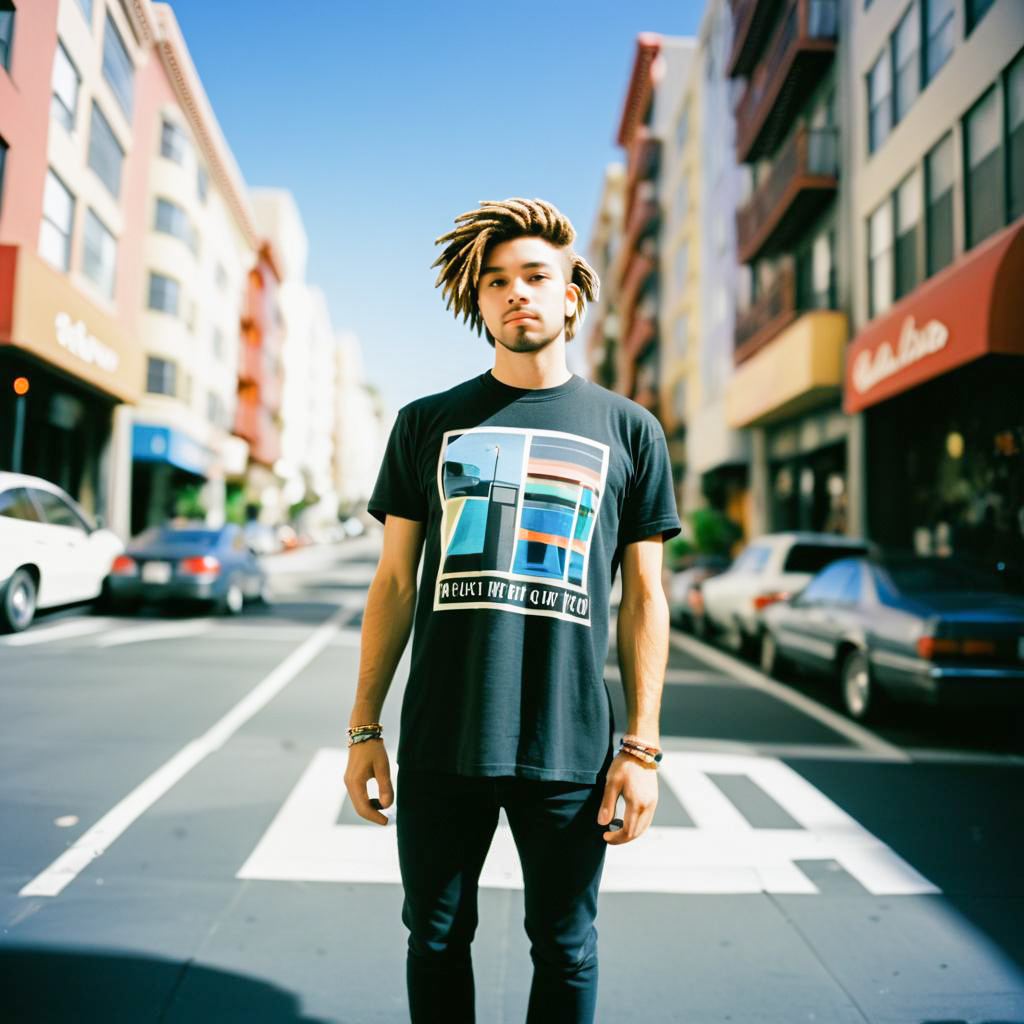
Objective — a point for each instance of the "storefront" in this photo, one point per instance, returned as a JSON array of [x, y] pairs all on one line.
[[81, 370], [170, 473], [940, 381]]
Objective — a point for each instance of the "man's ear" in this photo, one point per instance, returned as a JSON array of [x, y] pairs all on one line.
[[573, 295]]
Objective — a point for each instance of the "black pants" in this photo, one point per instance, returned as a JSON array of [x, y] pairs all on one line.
[[445, 826]]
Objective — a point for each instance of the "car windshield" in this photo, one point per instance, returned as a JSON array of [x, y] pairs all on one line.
[[812, 557], [928, 575], [177, 537]]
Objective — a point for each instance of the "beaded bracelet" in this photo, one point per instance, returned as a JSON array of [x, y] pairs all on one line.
[[649, 755], [361, 733]]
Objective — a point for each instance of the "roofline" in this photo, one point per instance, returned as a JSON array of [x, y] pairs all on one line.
[[638, 92]]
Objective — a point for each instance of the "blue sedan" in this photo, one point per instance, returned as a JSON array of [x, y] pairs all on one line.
[[191, 562], [932, 630]]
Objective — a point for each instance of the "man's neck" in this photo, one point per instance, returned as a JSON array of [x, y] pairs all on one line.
[[545, 368]]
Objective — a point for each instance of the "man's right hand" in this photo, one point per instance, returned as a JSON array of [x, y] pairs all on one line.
[[369, 760]]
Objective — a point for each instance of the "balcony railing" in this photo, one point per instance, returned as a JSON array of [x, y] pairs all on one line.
[[768, 315], [750, 19], [800, 50], [803, 180]]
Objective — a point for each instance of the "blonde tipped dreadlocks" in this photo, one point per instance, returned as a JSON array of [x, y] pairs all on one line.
[[499, 221]]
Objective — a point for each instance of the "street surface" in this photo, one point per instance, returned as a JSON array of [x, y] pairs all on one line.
[[178, 845]]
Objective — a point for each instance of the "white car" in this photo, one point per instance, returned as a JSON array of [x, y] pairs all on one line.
[[51, 552], [769, 569]]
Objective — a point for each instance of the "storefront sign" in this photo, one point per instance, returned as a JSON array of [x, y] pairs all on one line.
[[75, 337], [869, 368]]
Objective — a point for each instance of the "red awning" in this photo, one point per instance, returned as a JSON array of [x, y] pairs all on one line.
[[970, 308]]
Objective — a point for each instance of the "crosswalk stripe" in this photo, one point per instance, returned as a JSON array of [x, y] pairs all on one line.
[[62, 631]]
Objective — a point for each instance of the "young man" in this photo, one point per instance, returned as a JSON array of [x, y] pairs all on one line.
[[526, 488]]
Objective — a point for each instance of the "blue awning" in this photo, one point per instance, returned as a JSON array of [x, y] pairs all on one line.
[[165, 444]]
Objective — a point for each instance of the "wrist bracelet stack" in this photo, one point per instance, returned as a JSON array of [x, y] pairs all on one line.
[[361, 733], [640, 750]]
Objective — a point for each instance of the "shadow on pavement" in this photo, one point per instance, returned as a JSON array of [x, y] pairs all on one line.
[[61, 987]]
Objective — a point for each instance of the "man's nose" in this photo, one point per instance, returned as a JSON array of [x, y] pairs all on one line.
[[519, 290]]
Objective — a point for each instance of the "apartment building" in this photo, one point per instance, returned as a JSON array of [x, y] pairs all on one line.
[[934, 370]]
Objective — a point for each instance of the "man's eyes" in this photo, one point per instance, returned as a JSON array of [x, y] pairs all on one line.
[[501, 280]]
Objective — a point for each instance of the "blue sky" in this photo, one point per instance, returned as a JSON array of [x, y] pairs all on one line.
[[388, 120]]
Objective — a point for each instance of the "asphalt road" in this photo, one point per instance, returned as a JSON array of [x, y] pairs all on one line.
[[177, 845]]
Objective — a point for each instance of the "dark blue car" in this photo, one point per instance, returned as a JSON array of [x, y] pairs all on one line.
[[914, 628], [191, 562]]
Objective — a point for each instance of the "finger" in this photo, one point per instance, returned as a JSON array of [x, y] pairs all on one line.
[[607, 808], [384, 787]]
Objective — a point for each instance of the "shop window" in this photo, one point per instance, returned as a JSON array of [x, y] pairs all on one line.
[[58, 216], [880, 259], [975, 11], [1015, 138], [164, 294], [6, 33], [161, 376], [173, 142], [118, 69], [908, 229], [106, 156], [938, 38], [171, 219], [938, 171], [99, 254], [65, 81], [879, 83], [906, 44], [984, 169]]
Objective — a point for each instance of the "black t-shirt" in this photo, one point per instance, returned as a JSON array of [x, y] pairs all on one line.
[[528, 496]]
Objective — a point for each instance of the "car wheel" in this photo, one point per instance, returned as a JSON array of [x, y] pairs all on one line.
[[234, 598], [18, 602], [771, 659], [861, 697], [263, 595]]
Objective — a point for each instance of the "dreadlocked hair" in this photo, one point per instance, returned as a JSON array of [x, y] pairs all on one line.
[[499, 221]]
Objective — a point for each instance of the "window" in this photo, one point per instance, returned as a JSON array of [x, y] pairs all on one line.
[[3, 163], [831, 585], [752, 559], [171, 219], [1015, 138], [679, 400], [86, 6], [6, 33], [879, 101], [983, 188], [814, 265], [938, 39], [814, 557], [99, 254], [221, 276], [217, 343], [938, 176], [118, 69], [58, 215], [682, 197], [202, 183], [161, 376], [682, 333], [975, 12], [906, 42], [105, 153], [683, 127], [173, 142], [164, 293], [215, 409], [908, 226], [682, 264], [65, 81], [56, 510], [880, 259], [16, 504]]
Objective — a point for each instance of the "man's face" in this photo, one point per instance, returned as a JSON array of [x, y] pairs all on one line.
[[524, 293]]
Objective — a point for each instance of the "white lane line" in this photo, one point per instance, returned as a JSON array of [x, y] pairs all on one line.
[[697, 677], [95, 841], [158, 631], [44, 634], [857, 734]]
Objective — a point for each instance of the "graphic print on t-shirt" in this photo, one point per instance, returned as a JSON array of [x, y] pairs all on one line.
[[519, 509]]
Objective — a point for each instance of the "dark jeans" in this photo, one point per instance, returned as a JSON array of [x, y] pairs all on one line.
[[445, 825]]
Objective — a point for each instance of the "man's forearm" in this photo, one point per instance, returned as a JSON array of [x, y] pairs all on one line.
[[642, 644], [387, 622]]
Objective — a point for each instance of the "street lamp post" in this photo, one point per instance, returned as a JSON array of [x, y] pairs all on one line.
[[21, 390]]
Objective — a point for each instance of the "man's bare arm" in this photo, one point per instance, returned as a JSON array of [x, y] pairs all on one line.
[[643, 653], [387, 622]]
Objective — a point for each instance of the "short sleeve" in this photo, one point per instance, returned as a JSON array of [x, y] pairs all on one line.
[[398, 491], [650, 503]]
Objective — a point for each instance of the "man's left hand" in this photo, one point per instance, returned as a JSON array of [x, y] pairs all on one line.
[[638, 785]]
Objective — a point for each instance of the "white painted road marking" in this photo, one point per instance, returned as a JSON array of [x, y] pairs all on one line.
[[157, 631], [723, 854], [95, 841], [45, 634]]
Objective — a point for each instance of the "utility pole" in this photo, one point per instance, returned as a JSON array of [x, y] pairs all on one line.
[[21, 390]]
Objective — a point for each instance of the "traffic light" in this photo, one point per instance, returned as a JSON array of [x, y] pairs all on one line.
[[21, 385]]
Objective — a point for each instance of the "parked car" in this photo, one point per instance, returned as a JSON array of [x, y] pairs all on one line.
[[685, 598], [906, 627], [51, 551], [769, 569], [189, 562], [261, 537]]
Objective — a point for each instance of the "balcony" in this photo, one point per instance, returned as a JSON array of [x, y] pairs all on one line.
[[638, 271], [641, 334], [250, 362], [802, 182], [751, 20], [799, 52], [644, 165], [767, 316]]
